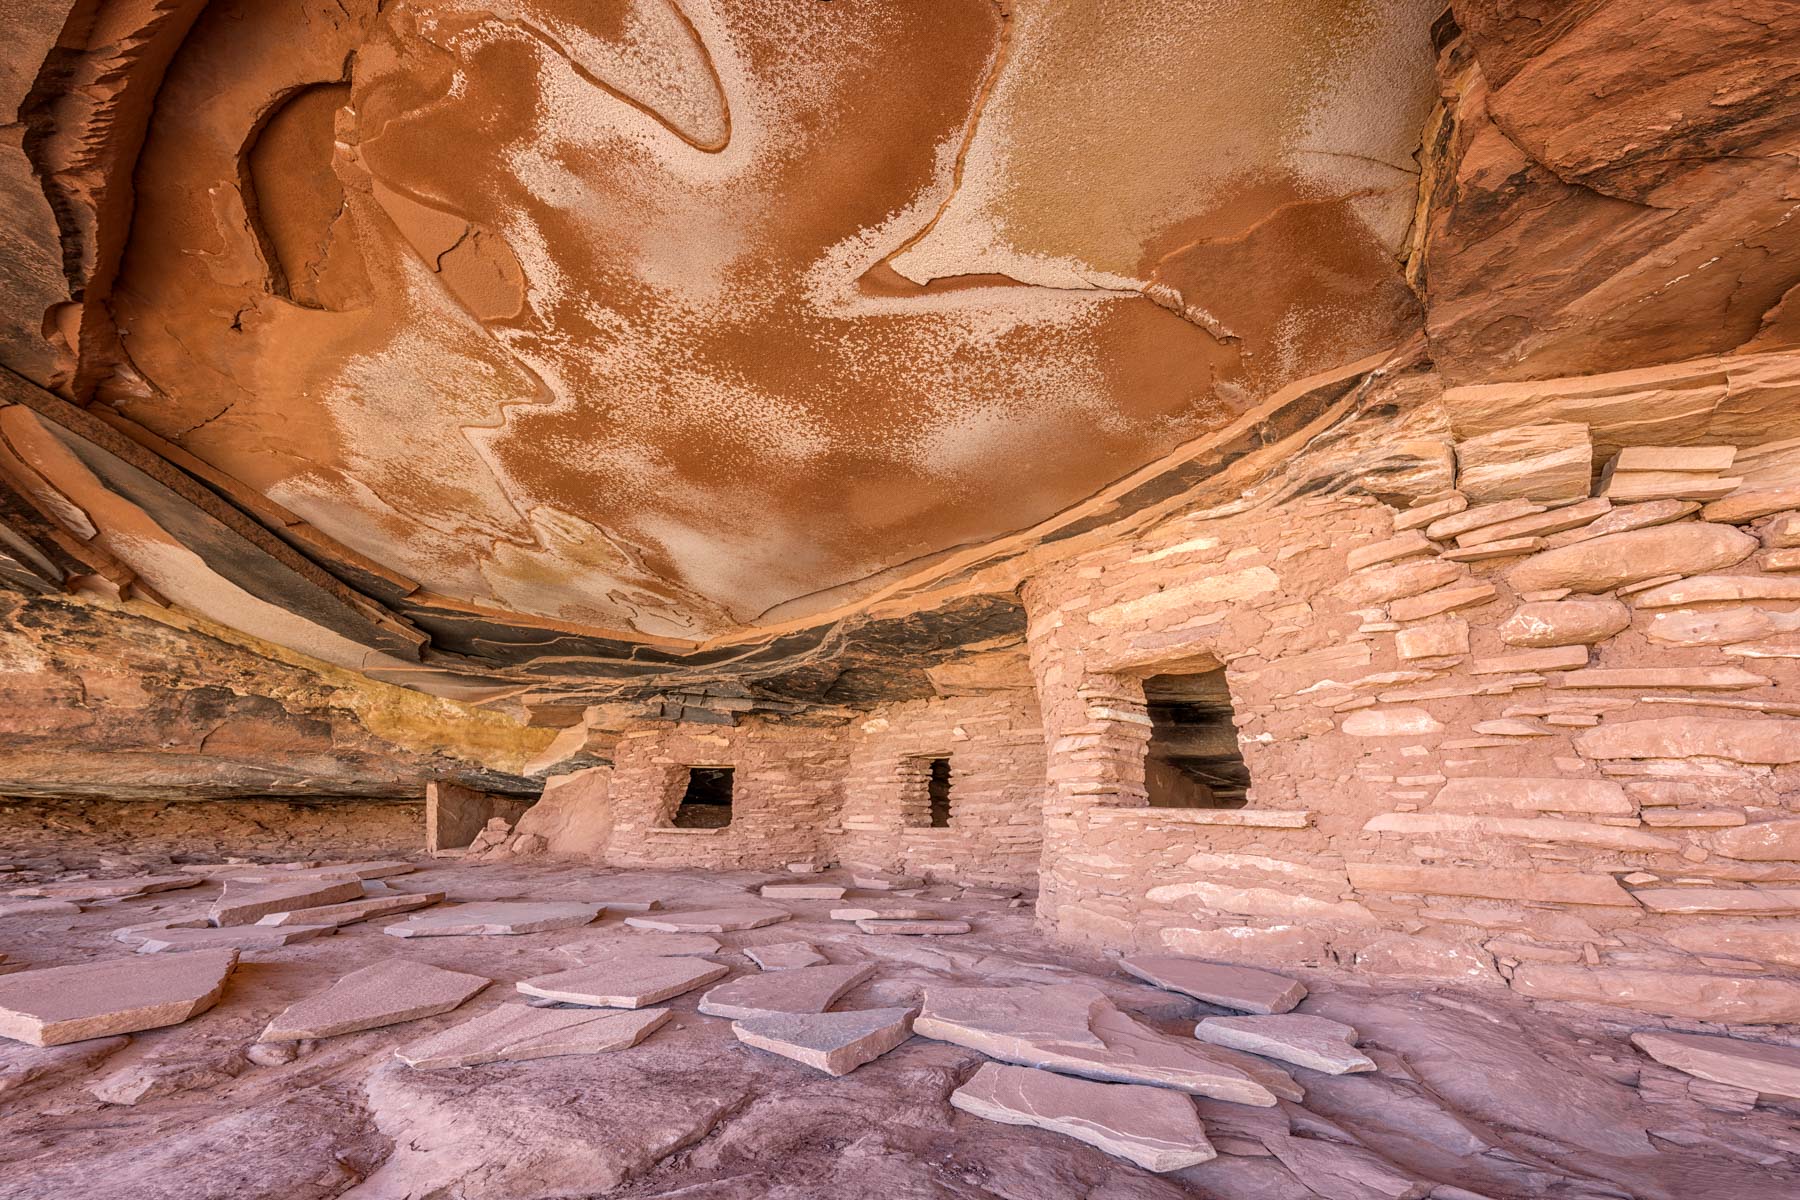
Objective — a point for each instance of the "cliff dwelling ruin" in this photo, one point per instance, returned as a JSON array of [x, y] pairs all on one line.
[[946, 599]]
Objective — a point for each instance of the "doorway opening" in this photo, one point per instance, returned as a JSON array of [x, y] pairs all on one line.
[[706, 804], [1194, 760]]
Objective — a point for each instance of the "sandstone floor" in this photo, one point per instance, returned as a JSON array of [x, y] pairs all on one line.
[[1477, 1093]]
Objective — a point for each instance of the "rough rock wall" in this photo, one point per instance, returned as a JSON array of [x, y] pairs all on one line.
[[104, 700], [1517, 732], [73, 832]]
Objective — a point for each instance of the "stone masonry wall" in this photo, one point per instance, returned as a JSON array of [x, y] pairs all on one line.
[[1536, 731], [787, 791], [995, 745]]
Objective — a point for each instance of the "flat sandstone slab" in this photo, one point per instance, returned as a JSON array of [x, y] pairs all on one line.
[[1075, 1029], [802, 990], [835, 1043], [107, 889], [1316, 1042], [710, 920], [639, 944], [1761, 1067], [353, 910], [232, 937], [246, 904], [912, 927], [1243, 988], [384, 994], [496, 917], [328, 872], [785, 956], [802, 891], [1156, 1129], [517, 1033], [624, 982], [884, 914], [57, 1005]]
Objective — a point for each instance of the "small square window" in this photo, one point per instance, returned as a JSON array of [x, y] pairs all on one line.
[[706, 803]]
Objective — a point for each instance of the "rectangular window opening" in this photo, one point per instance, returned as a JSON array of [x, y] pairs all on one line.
[[937, 791], [706, 804], [1194, 760]]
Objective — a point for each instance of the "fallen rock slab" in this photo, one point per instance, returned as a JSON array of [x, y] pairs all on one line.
[[246, 904], [39, 908], [107, 889], [1318, 1043], [785, 956], [835, 1043], [57, 1005], [518, 1033], [352, 911], [624, 982], [496, 917], [882, 882], [384, 994], [638, 944], [1073, 1028], [802, 891], [330, 872], [915, 928], [802, 990], [883, 914], [235, 937], [1243, 988], [1156, 1129], [1762, 1067], [710, 920]]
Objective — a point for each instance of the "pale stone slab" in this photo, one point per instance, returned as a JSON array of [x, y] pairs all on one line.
[[336, 872], [1612, 560], [835, 1043], [1243, 988], [1450, 599], [915, 928], [624, 982], [1554, 795], [802, 990], [1156, 1129], [1766, 741], [1765, 841], [496, 917], [1548, 462], [246, 904], [1747, 901], [39, 908], [802, 891], [638, 944], [785, 956], [1761, 1067], [236, 937], [1729, 998], [1564, 623], [886, 913], [1565, 887], [354, 910], [710, 920], [107, 889], [57, 1005], [1075, 1029], [519, 1033], [1306, 1041], [883, 882], [384, 994]]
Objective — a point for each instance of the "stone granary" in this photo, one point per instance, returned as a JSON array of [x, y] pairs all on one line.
[[959, 599]]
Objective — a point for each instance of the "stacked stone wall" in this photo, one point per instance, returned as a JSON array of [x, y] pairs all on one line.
[[995, 746], [1538, 731]]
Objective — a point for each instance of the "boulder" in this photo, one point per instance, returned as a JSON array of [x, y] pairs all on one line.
[[1155, 1129], [1603, 563]]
